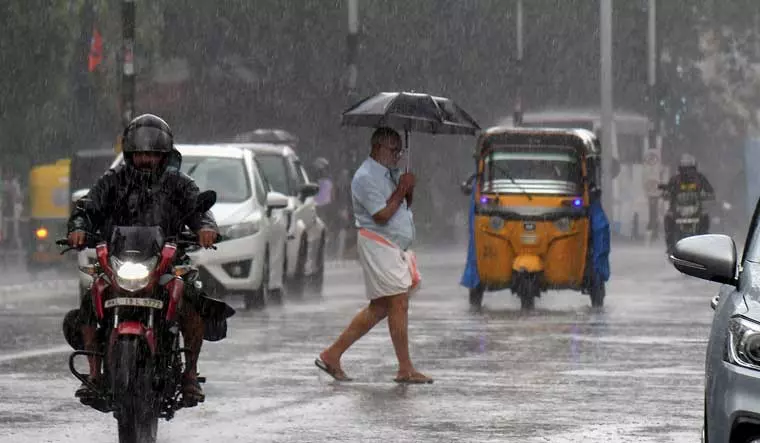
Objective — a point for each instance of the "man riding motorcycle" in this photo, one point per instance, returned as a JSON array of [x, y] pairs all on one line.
[[687, 180], [145, 191]]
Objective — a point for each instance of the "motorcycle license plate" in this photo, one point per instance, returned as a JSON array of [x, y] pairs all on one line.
[[134, 301]]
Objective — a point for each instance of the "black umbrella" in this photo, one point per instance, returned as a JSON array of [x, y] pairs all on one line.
[[411, 111]]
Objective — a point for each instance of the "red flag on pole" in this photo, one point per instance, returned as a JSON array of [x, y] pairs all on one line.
[[96, 50]]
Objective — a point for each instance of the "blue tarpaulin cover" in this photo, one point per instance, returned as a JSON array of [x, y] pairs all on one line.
[[600, 240], [470, 277]]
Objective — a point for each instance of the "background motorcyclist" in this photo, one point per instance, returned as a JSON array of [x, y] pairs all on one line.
[[688, 179], [145, 192]]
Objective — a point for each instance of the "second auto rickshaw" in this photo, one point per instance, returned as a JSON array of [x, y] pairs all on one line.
[[49, 198], [536, 221]]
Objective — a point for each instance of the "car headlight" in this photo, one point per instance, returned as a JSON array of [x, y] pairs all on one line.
[[132, 276], [239, 230], [744, 343]]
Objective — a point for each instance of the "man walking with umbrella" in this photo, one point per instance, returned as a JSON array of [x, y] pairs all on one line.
[[380, 198]]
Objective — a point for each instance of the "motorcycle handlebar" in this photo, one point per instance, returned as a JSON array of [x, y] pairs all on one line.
[[184, 239]]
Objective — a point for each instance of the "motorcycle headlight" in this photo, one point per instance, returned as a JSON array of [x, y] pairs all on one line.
[[132, 276], [244, 229], [744, 343]]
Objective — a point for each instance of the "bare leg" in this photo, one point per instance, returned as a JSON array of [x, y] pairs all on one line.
[[192, 327], [362, 323], [191, 324], [89, 336], [398, 325]]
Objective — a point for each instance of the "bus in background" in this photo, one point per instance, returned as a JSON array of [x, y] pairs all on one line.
[[639, 166]]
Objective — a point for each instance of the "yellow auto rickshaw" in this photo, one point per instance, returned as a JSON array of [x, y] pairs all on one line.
[[536, 221], [49, 201]]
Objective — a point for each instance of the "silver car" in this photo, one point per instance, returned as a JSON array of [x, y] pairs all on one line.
[[732, 370]]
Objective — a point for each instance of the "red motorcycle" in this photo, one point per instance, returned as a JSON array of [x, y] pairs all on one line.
[[136, 292]]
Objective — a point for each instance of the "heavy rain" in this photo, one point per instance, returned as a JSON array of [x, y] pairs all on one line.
[[562, 226]]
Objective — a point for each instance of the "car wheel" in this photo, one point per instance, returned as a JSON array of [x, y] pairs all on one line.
[[257, 298], [316, 281], [297, 284]]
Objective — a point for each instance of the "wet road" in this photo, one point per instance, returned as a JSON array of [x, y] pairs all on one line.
[[632, 373]]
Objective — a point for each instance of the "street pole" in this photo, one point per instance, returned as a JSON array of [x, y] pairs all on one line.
[[352, 45], [655, 139], [128, 61], [517, 118], [605, 37]]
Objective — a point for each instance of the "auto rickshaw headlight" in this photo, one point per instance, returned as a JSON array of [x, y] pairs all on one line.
[[41, 233], [564, 224], [485, 200], [496, 223]]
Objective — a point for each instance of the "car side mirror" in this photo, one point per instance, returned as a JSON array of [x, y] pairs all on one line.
[[309, 190], [206, 200], [79, 194], [277, 200], [709, 257], [466, 187]]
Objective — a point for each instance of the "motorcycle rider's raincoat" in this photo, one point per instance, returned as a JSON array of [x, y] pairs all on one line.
[[125, 196]]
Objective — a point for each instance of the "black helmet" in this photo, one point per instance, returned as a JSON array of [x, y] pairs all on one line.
[[147, 133]]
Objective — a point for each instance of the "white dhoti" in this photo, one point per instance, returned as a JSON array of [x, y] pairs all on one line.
[[388, 270]]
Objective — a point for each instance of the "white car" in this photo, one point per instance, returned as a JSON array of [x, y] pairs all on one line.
[[306, 231], [250, 259]]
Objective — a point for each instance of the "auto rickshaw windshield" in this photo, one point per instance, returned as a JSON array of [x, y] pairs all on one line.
[[511, 169]]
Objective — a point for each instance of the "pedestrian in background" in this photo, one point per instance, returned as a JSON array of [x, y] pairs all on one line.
[[386, 231]]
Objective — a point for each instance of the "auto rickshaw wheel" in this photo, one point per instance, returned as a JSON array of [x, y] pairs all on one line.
[[528, 296], [528, 289], [476, 297], [598, 291]]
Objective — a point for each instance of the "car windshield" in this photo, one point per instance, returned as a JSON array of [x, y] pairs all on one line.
[[525, 169], [226, 176], [275, 171]]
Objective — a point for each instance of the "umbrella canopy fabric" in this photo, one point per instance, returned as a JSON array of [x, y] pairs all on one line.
[[410, 111]]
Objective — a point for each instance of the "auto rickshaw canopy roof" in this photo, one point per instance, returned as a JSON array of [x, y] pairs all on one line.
[[583, 140]]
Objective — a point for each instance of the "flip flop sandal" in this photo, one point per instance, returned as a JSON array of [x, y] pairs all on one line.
[[416, 379], [335, 373]]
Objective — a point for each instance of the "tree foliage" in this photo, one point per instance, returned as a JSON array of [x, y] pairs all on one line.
[[218, 68]]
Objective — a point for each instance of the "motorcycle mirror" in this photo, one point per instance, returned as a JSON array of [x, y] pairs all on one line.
[[206, 201]]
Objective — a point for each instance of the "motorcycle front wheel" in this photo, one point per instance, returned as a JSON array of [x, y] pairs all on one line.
[[136, 413]]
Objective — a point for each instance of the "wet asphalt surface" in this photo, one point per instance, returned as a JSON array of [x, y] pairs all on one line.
[[630, 373]]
